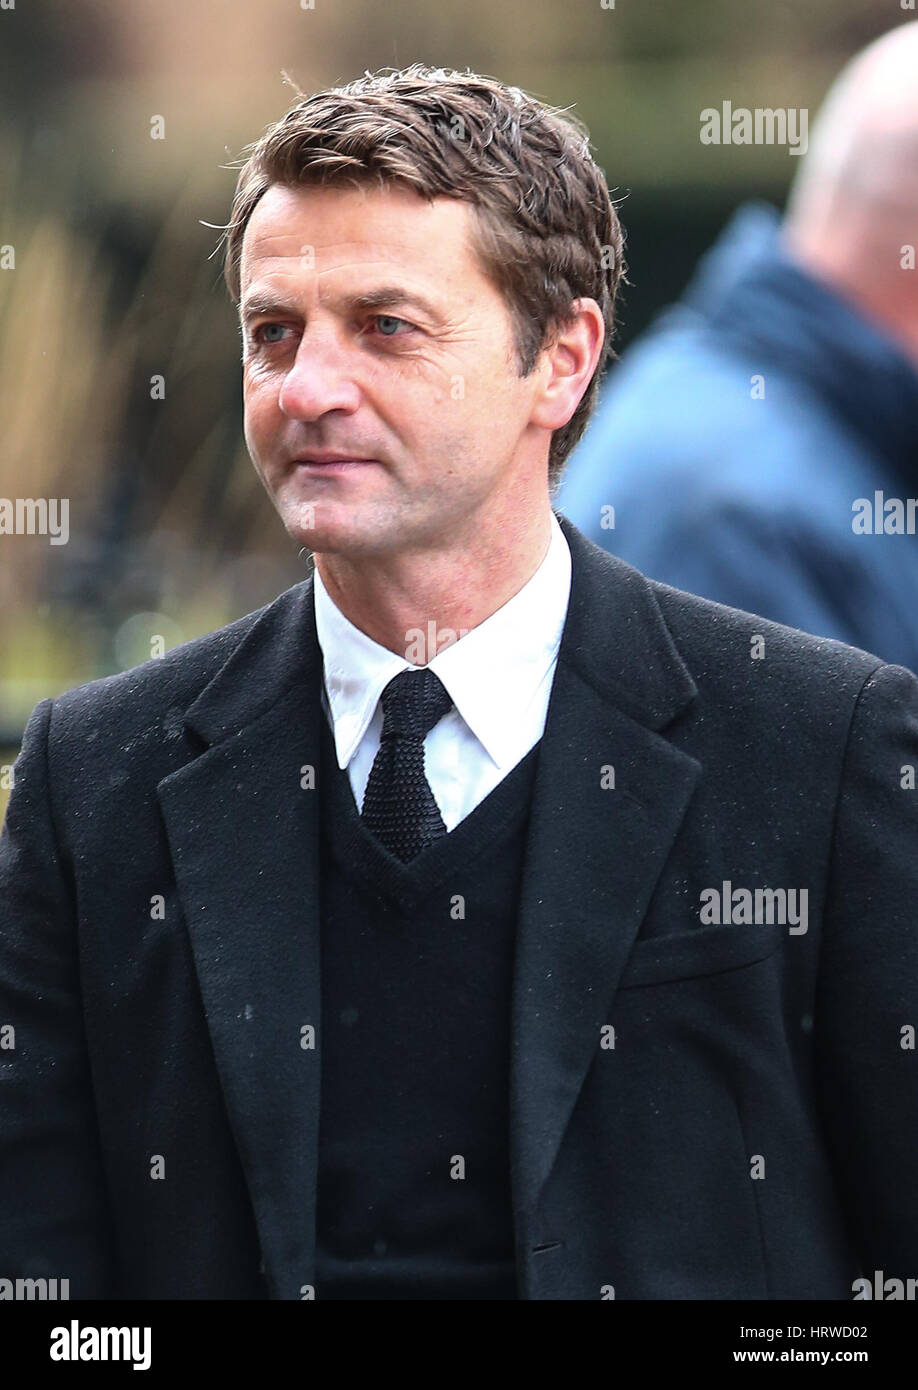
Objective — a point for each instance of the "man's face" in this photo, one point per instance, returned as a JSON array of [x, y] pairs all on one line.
[[371, 333]]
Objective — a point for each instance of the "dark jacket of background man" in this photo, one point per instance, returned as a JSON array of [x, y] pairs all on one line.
[[734, 439]]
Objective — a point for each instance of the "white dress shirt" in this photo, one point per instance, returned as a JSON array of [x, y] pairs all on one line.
[[498, 675]]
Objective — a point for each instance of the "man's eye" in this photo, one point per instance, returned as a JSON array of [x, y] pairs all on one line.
[[261, 334], [388, 324]]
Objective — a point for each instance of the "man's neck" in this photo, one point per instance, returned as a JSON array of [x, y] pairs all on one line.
[[442, 593], [867, 284]]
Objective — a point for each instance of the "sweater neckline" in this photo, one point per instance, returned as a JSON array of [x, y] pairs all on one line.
[[381, 875]]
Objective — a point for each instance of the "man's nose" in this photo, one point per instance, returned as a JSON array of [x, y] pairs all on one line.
[[321, 379]]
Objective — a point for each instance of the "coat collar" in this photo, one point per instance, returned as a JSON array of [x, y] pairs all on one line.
[[242, 823], [756, 299], [614, 637]]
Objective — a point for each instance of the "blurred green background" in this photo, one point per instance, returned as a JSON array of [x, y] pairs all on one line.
[[115, 280]]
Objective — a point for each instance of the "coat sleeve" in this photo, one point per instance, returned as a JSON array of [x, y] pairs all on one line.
[[866, 1017], [54, 1218]]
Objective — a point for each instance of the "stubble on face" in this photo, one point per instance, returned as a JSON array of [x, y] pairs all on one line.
[[430, 392]]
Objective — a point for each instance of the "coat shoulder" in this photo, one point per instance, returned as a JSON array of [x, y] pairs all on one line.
[[729, 645], [160, 690]]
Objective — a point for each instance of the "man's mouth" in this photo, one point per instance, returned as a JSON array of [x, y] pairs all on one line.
[[323, 463]]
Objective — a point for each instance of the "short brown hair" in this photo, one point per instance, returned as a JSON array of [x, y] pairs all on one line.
[[546, 230]]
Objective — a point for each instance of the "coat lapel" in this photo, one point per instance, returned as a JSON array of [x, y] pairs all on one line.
[[594, 854], [244, 839]]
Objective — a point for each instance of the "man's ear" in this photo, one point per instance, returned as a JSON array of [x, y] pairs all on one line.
[[569, 361]]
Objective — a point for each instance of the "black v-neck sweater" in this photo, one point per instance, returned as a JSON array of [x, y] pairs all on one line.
[[417, 969]]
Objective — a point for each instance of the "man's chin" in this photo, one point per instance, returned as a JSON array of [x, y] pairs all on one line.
[[342, 530]]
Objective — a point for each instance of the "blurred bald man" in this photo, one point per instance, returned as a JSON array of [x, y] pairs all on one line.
[[760, 445]]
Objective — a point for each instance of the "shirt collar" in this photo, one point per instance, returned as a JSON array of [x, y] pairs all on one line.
[[493, 673]]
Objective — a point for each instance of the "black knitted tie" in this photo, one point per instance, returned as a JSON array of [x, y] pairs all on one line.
[[399, 807]]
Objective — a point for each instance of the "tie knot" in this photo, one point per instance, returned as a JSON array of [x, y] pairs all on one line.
[[413, 702]]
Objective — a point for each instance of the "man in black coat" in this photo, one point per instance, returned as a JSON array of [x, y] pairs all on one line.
[[479, 919]]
